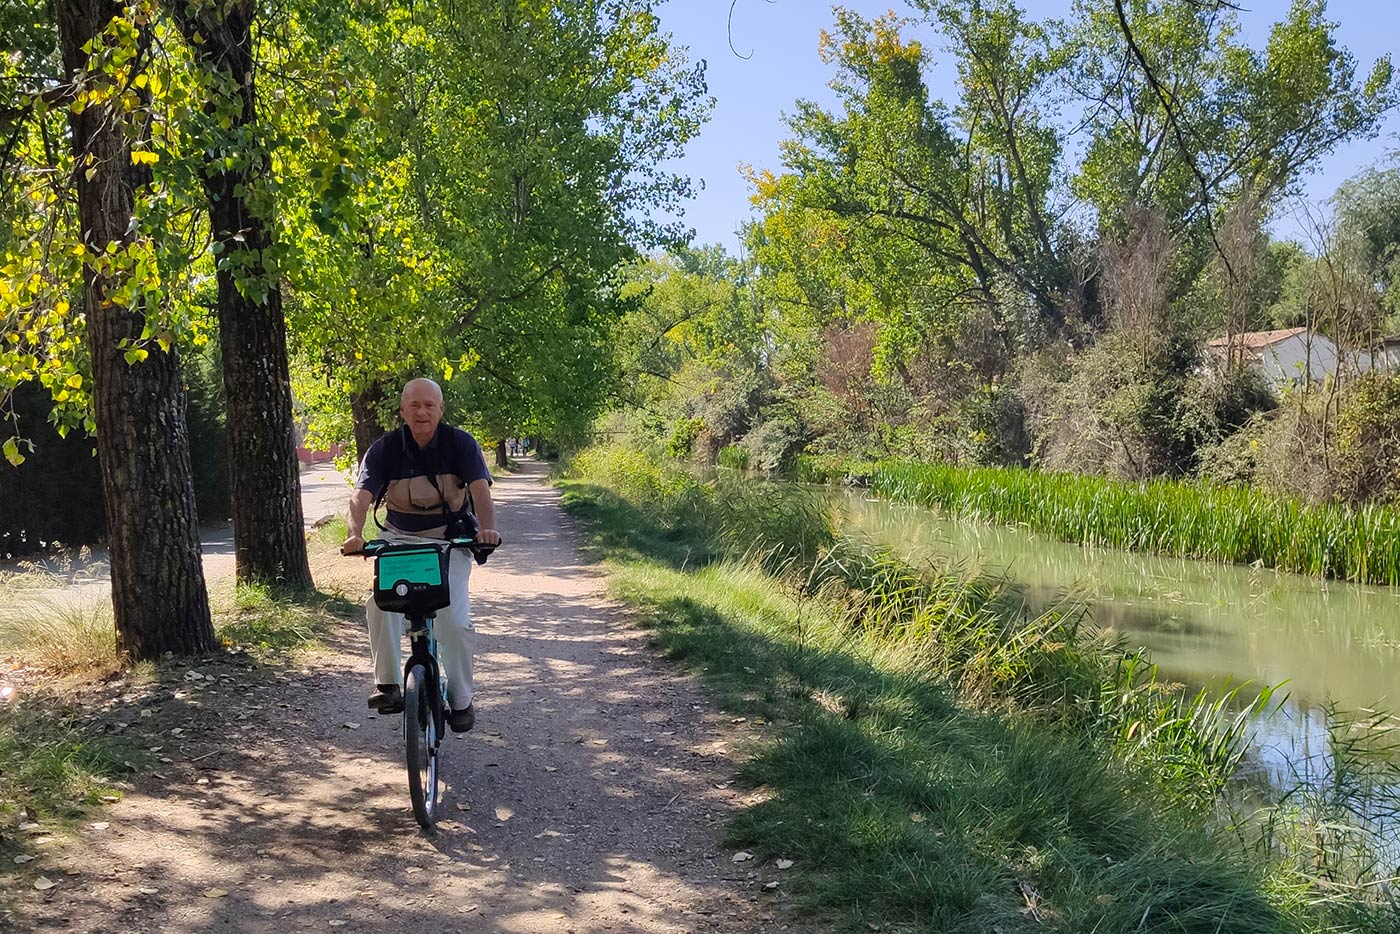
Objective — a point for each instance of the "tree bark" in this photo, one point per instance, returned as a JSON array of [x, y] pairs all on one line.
[[364, 410], [268, 535], [501, 459], [159, 597]]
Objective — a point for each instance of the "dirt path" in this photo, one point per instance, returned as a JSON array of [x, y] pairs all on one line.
[[590, 796]]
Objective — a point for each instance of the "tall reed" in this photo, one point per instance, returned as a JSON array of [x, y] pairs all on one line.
[[1193, 520]]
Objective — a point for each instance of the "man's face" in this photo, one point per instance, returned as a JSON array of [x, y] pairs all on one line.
[[421, 409]]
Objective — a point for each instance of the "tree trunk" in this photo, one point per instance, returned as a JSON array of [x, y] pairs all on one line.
[[158, 592], [364, 410], [268, 536], [501, 460]]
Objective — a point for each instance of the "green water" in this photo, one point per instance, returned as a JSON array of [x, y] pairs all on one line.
[[1205, 623], [1332, 645]]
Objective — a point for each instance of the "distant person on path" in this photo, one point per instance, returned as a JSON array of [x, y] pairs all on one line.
[[434, 482]]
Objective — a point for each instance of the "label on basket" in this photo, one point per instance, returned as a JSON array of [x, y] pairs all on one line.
[[416, 567]]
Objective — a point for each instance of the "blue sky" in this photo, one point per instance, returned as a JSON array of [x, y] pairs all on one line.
[[781, 38]]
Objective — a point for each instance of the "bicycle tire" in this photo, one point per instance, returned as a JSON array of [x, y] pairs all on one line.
[[421, 747]]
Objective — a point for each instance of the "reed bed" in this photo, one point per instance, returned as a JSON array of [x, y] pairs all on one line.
[[1192, 520]]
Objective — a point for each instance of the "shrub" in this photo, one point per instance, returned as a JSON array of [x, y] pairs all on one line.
[[681, 443], [733, 456], [1368, 440]]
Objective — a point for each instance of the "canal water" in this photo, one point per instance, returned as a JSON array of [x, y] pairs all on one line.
[[1334, 646]]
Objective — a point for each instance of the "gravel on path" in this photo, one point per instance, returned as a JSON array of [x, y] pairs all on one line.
[[590, 797]]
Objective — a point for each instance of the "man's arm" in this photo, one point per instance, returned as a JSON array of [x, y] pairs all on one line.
[[485, 512], [360, 502]]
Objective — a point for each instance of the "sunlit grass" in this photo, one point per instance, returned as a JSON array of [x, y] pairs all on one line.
[[268, 621], [69, 634], [940, 747]]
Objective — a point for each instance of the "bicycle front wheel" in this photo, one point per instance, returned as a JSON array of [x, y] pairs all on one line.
[[421, 746]]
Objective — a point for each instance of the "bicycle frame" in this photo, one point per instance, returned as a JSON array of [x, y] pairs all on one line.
[[423, 651]]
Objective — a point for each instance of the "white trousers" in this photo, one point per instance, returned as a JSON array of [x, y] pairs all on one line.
[[453, 628]]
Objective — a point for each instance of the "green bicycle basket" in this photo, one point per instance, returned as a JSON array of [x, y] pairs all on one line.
[[411, 579]]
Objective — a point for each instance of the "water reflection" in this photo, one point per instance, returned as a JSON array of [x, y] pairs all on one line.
[[1205, 624], [1212, 626]]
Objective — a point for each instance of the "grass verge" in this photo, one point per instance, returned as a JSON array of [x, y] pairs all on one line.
[[51, 768], [907, 807]]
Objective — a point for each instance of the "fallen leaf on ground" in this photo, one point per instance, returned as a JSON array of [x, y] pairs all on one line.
[[742, 857], [43, 883], [784, 864], [770, 885], [503, 813], [214, 893], [338, 923], [99, 825], [24, 858], [351, 725], [551, 768], [149, 891]]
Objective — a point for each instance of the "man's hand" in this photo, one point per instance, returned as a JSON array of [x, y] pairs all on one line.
[[488, 536], [352, 544]]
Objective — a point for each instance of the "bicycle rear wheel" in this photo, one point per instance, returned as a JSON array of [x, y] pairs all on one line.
[[421, 746]]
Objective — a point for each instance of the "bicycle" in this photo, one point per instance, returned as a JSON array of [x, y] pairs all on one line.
[[411, 578]]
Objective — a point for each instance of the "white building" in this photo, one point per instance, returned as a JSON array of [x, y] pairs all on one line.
[[1283, 357], [1384, 357]]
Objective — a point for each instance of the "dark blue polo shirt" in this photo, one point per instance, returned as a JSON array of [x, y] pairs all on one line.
[[423, 487]]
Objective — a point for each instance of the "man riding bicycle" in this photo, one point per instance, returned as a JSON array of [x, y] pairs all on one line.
[[433, 480]]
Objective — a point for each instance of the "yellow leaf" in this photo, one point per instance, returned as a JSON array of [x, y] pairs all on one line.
[[142, 157], [75, 381]]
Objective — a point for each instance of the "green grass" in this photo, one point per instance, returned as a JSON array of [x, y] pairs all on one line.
[[931, 762], [269, 621], [51, 768], [1234, 524]]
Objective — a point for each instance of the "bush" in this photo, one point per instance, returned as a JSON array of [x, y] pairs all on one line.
[[206, 417], [681, 443], [1368, 440], [733, 457], [994, 426], [1234, 460], [775, 442], [56, 494]]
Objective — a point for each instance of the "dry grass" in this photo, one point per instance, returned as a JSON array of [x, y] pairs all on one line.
[[71, 634]]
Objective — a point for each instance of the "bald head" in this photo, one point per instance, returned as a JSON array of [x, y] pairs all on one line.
[[421, 408], [416, 387]]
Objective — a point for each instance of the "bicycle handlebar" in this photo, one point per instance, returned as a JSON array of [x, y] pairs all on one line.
[[480, 551]]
